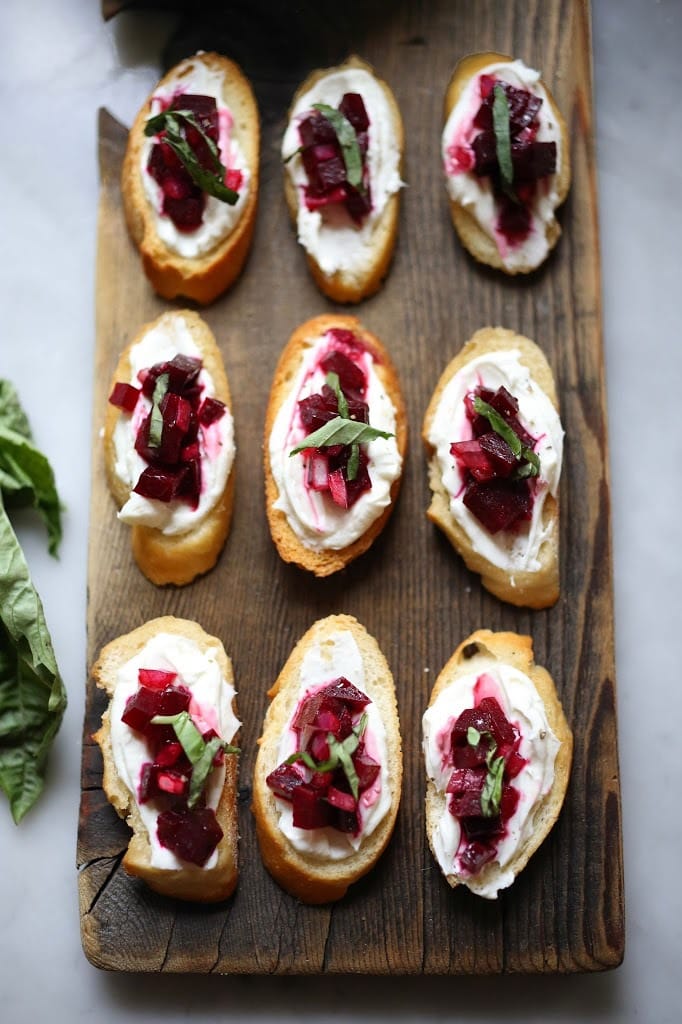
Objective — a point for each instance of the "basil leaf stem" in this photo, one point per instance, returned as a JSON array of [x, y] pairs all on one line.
[[348, 141]]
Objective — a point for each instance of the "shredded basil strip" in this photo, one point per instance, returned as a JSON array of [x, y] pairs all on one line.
[[212, 182], [491, 794], [199, 752], [473, 736], [340, 755], [332, 380], [502, 428], [353, 464], [156, 417], [503, 138], [339, 431], [348, 140]]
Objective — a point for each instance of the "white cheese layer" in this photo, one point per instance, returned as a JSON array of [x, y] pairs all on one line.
[[523, 707], [513, 551], [165, 340], [320, 524], [476, 194], [337, 656], [219, 218], [199, 672], [336, 243]]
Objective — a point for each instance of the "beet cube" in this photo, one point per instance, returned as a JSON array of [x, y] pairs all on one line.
[[367, 770], [351, 376], [475, 855], [499, 504], [144, 704], [344, 801], [210, 411], [124, 396], [204, 109], [186, 214], [159, 484], [353, 108], [155, 679], [284, 779], [316, 129], [191, 835], [498, 452], [309, 807], [471, 456]]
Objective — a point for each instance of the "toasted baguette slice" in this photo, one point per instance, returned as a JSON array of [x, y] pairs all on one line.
[[474, 236], [473, 656], [290, 547], [363, 275], [206, 276], [176, 558], [204, 885], [314, 878], [533, 587]]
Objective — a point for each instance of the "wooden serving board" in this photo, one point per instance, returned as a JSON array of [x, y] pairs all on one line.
[[565, 912]]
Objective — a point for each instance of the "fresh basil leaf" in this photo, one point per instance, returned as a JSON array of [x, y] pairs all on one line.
[[348, 140], [491, 794], [473, 736], [26, 478], [502, 428], [353, 464], [339, 431], [12, 415], [201, 769], [309, 761], [332, 381], [32, 694], [212, 182], [503, 138], [156, 417]]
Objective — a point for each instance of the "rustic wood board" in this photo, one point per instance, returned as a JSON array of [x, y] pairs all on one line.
[[565, 913]]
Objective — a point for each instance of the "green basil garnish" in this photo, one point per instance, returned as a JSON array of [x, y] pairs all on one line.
[[491, 794], [156, 417], [199, 752], [503, 139], [340, 431], [340, 755], [348, 140], [332, 381], [212, 182], [502, 428]]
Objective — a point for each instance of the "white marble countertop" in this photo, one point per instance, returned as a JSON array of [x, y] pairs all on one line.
[[59, 63]]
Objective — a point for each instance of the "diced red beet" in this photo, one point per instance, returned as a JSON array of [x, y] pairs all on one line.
[[234, 179], [124, 396], [177, 185], [155, 679], [210, 411], [471, 456], [514, 221], [486, 716], [498, 452], [310, 810], [321, 780], [173, 782], [515, 763], [284, 779], [338, 489], [367, 770], [469, 778], [345, 821], [344, 801], [159, 484], [479, 827], [475, 856], [186, 214], [168, 755], [191, 835], [317, 471], [509, 801], [144, 704], [204, 109], [351, 376], [315, 130], [319, 747], [499, 504], [352, 106]]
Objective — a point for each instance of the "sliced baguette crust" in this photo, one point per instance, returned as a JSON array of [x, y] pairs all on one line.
[[314, 879], [539, 589], [180, 558], [346, 286], [517, 651], [472, 236], [191, 882], [205, 277], [290, 548]]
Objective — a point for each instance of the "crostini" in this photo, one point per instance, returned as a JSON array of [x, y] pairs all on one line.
[[342, 152], [190, 178], [335, 441], [169, 447], [494, 442], [505, 151], [170, 768], [328, 773], [498, 755]]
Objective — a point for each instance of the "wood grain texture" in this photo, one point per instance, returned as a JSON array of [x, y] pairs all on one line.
[[565, 912]]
